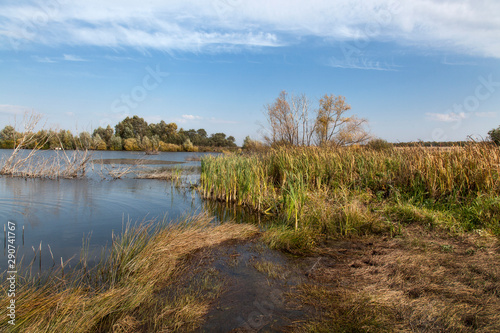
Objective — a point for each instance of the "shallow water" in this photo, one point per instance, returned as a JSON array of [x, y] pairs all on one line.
[[62, 213]]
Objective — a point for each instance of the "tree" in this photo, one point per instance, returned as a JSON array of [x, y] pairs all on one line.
[[494, 135], [333, 127], [8, 137], [85, 140], [252, 145], [115, 143], [379, 144], [289, 122], [98, 143], [132, 127], [288, 118], [130, 144], [104, 133]]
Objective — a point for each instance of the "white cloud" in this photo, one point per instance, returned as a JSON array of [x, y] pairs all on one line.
[[360, 63], [70, 57], [12, 109], [191, 117], [446, 117], [43, 59], [461, 26], [485, 114]]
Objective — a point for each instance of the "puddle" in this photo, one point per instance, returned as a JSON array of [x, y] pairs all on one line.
[[256, 281]]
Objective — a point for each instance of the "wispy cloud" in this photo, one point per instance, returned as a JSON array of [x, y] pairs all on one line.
[[447, 117], [486, 114], [460, 26], [191, 117], [43, 59], [70, 57], [361, 63], [12, 109]]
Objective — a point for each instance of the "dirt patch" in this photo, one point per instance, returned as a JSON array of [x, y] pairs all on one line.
[[421, 282]]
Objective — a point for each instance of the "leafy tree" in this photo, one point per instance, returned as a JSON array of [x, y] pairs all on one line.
[[494, 135], [115, 143], [98, 143], [85, 140], [187, 145], [104, 133], [132, 127], [252, 145], [8, 137], [130, 144], [379, 144]]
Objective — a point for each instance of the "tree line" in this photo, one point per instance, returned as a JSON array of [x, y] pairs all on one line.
[[132, 133]]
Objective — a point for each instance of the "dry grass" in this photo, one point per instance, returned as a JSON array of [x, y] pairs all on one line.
[[124, 293], [419, 282]]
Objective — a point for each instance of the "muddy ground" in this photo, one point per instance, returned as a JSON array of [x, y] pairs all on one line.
[[419, 281]]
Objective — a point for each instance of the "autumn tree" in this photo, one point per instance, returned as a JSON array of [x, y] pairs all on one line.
[[334, 127], [290, 122], [288, 118]]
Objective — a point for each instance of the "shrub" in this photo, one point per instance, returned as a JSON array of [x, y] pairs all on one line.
[[379, 144], [130, 144], [169, 147]]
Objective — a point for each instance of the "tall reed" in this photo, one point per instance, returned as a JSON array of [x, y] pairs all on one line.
[[282, 180]]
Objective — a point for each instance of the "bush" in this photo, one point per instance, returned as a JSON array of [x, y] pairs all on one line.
[[494, 135], [188, 146], [379, 144], [130, 144], [253, 145], [169, 147]]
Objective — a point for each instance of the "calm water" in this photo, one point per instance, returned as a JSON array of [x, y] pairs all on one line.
[[61, 213]]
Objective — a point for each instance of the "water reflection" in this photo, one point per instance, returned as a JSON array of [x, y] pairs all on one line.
[[63, 213]]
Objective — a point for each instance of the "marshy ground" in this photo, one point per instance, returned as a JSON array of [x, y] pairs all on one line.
[[418, 281]]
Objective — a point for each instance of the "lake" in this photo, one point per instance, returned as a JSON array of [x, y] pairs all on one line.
[[62, 213]]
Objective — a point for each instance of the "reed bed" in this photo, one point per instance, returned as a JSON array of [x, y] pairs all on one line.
[[286, 181], [129, 289]]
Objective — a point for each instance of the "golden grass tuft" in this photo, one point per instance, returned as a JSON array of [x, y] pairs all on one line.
[[123, 293]]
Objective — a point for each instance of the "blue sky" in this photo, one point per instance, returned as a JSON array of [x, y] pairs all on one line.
[[423, 69]]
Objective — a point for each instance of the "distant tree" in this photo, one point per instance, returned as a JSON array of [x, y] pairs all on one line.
[[333, 127], [494, 135], [104, 133], [115, 143], [130, 144], [132, 127], [8, 137], [187, 145], [379, 144], [85, 140], [98, 143], [290, 123], [252, 145]]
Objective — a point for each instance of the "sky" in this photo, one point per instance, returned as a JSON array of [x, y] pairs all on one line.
[[416, 70]]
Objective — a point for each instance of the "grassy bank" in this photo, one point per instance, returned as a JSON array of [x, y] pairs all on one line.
[[141, 286], [358, 191], [402, 239]]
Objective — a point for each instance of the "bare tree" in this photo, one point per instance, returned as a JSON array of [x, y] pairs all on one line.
[[334, 127], [290, 123], [288, 118]]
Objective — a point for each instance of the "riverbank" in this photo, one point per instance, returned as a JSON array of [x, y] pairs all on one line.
[[200, 276]]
